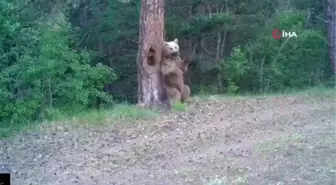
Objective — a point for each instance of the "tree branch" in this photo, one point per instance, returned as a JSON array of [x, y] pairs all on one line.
[[323, 20]]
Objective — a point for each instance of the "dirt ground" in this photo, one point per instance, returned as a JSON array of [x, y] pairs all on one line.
[[274, 140]]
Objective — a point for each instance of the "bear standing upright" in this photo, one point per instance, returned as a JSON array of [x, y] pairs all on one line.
[[172, 69]]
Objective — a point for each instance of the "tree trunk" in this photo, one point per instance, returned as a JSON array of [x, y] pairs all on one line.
[[331, 14], [150, 87]]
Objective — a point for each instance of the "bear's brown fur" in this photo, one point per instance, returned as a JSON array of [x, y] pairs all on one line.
[[173, 94], [185, 93], [172, 69], [182, 64], [173, 76]]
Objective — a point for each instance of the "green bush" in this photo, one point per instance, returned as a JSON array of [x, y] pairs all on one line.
[[40, 72], [289, 62], [234, 69]]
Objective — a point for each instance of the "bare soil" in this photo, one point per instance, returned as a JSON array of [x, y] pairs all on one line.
[[276, 140]]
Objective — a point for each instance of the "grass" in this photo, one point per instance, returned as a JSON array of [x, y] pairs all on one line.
[[121, 112], [178, 107], [127, 113], [316, 91], [10, 129], [275, 144], [320, 91]]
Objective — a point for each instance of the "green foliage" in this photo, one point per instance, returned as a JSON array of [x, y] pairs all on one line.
[[235, 68], [289, 62], [41, 72], [178, 106], [214, 29], [120, 112], [110, 30]]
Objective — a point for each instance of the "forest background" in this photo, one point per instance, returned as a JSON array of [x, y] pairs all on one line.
[[68, 56]]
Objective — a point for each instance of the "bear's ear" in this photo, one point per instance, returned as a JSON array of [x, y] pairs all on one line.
[[176, 41]]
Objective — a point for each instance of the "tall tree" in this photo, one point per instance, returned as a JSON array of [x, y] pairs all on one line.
[[331, 14], [150, 87]]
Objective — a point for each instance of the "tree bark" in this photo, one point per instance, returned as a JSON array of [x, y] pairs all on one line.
[[150, 87], [331, 14]]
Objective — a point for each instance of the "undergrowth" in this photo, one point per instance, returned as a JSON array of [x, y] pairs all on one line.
[[178, 107], [128, 113], [120, 112]]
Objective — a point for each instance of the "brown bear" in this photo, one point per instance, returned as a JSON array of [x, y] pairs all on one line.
[[185, 94], [172, 69]]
